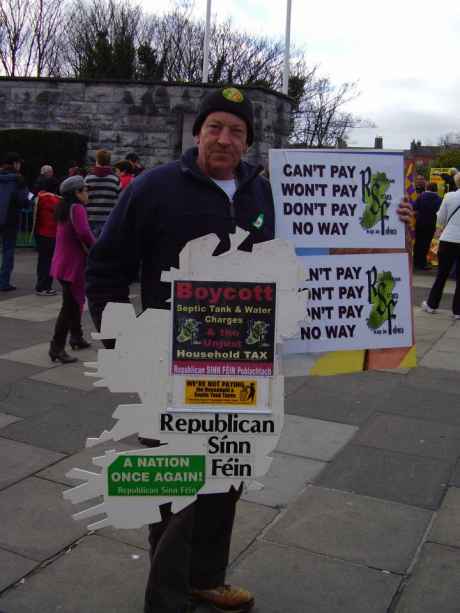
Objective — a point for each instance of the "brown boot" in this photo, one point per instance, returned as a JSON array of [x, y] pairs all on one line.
[[225, 598]]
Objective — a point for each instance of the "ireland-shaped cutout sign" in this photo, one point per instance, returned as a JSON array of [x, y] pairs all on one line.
[[209, 381]]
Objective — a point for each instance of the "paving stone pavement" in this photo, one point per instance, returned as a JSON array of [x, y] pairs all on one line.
[[359, 513]]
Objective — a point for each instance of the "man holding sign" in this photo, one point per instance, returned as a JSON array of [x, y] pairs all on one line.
[[209, 190]]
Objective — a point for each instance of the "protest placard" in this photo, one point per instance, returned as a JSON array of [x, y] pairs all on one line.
[[356, 302], [338, 198], [223, 328]]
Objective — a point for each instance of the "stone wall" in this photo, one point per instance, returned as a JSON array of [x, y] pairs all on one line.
[[152, 119]]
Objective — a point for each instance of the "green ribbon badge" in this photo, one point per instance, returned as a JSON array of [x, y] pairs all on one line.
[[259, 222], [232, 94]]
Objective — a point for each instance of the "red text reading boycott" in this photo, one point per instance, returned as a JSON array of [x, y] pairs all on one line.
[[213, 295]]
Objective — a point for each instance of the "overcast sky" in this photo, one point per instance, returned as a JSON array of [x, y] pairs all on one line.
[[403, 53]]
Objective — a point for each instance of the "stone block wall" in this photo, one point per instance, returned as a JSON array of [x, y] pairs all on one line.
[[148, 118]]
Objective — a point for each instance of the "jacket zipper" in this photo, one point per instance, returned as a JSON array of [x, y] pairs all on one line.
[[232, 215]]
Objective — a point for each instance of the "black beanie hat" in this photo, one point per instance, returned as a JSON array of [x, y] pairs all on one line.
[[228, 100]]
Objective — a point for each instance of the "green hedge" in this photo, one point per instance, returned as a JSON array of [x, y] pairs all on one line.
[[39, 147]]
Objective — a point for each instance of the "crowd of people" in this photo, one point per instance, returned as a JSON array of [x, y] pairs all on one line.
[[68, 216], [104, 182]]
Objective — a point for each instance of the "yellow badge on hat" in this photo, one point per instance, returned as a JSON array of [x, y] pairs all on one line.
[[233, 94]]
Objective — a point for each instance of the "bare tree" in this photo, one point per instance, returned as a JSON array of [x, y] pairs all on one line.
[[449, 139], [320, 119], [47, 34], [15, 38], [30, 37], [85, 21], [102, 39], [176, 41], [116, 39], [242, 58]]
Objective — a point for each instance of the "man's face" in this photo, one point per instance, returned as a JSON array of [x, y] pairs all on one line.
[[222, 140]]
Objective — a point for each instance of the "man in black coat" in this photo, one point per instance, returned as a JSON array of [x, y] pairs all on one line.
[[209, 190], [426, 206], [13, 197]]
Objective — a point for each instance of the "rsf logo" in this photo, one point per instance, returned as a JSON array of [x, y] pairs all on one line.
[[374, 195], [382, 298]]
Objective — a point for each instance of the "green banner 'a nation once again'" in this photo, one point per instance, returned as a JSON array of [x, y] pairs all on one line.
[[159, 475]]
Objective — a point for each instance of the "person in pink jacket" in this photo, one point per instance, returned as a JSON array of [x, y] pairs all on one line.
[[73, 241]]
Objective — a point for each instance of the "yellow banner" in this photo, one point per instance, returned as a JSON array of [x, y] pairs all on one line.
[[436, 172], [435, 177], [221, 392]]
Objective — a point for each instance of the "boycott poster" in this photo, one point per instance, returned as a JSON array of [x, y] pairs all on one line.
[[221, 328], [338, 198], [356, 302]]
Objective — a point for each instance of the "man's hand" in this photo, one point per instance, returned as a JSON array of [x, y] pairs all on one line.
[[405, 211]]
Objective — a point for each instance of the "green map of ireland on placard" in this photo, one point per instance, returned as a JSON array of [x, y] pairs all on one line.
[[382, 301], [375, 199]]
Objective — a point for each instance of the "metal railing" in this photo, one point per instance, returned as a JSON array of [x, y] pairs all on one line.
[[25, 237]]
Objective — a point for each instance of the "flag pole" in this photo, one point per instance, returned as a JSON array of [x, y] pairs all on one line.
[[206, 42], [287, 45]]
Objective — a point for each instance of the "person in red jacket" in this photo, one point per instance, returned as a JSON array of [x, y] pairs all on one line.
[[45, 235], [125, 172]]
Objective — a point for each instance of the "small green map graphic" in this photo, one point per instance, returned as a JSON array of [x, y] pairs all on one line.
[[257, 331], [188, 331], [382, 300], [376, 200]]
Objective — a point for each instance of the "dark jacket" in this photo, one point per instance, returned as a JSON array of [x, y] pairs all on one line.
[[158, 214], [426, 207], [13, 197]]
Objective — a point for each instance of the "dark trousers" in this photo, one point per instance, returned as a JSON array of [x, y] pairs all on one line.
[[45, 248], [69, 318], [448, 255], [8, 238], [423, 236], [189, 549]]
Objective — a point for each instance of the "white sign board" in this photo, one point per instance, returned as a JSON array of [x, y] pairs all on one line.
[[356, 302], [338, 198], [217, 430]]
